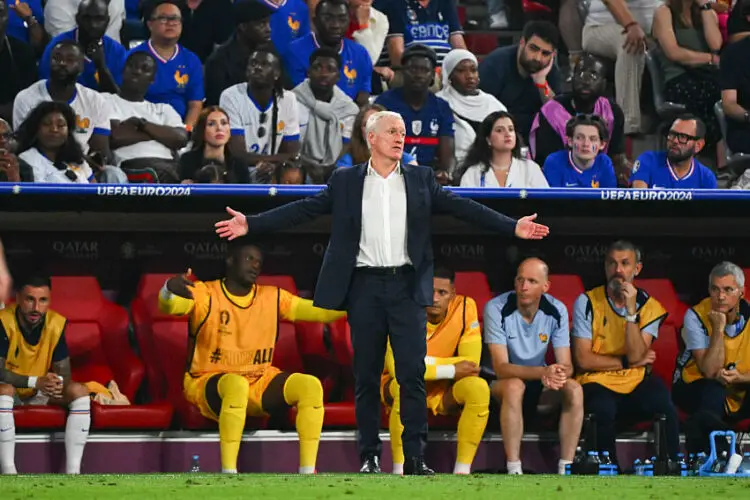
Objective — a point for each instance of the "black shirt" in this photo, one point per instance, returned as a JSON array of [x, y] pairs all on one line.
[[734, 74], [737, 23], [18, 64], [227, 66], [32, 337], [192, 161], [210, 24], [548, 142], [25, 171]]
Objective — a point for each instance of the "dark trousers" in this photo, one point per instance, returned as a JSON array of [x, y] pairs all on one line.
[[704, 401], [379, 307], [647, 400]]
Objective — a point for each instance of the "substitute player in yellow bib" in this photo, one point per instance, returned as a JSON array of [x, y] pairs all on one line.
[[713, 371], [613, 328], [233, 325], [454, 346]]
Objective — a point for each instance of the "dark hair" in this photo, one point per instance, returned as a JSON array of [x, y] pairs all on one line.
[[700, 125], [325, 52], [34, 281], [208, 174], [480, 151], [71, 151], [358, 143], [149, 6], [419, 50], [234, 247], [625, 246], [443, 271], [286, 166], [68, 43], [544, 30], [199, 132], [676, 6], [334, 3], [588, 120], [140, 53]]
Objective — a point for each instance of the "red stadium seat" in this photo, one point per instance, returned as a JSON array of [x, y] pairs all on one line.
[[566, 288], [281, 281], [39, 417], [480, 44], [474, 284], [667, 349], [663, 290]]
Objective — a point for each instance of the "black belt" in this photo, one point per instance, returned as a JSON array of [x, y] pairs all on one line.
[[386, 271]]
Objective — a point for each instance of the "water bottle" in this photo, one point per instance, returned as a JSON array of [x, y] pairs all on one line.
[[591, 466], [578, 459], [745, 465], [700, 461], [606, 468], [195, 465], [691, 463], [720, 463]]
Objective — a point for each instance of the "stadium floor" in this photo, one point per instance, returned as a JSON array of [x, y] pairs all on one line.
[[287, 487]]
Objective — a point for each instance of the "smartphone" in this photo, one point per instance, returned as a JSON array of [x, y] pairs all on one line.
[[732, 366]]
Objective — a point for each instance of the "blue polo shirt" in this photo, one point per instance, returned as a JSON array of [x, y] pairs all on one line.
[[653, 168], [424, 127], [178, 79], [431, 25], [356, 66], [114, 55], [16, 27], [527, 343], [290, 22], [560, 171]]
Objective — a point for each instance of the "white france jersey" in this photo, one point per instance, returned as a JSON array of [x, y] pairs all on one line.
[[91, 108], [46, 171], [245, 119]]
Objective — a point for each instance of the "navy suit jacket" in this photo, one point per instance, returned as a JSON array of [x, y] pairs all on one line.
[[342, 198]]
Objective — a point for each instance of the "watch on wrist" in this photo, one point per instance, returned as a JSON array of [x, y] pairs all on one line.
[[747, 116], [632, 318]]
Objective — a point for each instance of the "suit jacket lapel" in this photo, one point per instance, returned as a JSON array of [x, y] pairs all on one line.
[[410, 185], [357, 192]]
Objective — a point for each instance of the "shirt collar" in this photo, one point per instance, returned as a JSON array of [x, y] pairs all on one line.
[[317, 44], [371, 171], [686, 176]]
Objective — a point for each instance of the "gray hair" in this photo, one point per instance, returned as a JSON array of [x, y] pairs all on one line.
[[625, 246], [727, 269], [374, 119]]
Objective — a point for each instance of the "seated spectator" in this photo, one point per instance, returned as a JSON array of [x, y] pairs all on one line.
[[104, 56], [616, 30], [210, 147], [428, 118], [331, 22], [734, 77], [678, 167], [518, 328], [227, 65], [144, 134], [289, 22], [358, 152], [495, 159], [179, 76], [60, 16], [26, 23], [523, 77], [369, 27], [326, 113], [548, 130], [469, 104], [289, 173], [11, 168], [18, 62], [613, 328], [264, 117], [582, 163], [91, 126], [205, 24], [713, 370], [47, 142], [689, 37], [738, 24]]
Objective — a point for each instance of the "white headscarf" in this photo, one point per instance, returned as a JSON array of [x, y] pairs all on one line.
[[472, 107]]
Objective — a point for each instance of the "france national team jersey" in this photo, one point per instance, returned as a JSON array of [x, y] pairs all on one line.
[[356, 66], [424, 127], [430, 25], [114, 55], [179, 79], [245, 119], [527, 343], [290, 21], [560, 171], [653, 168]]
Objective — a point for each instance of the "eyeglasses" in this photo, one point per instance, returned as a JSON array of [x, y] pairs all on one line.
[[6, 136], [680, 137], [262, 129], [167, 19]]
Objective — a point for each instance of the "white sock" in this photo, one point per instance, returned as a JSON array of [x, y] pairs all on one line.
[[229, 471], [398, 469], [7, 436], [561, 466], [307, 469], [460, 468], [514, 467], [76, 433]]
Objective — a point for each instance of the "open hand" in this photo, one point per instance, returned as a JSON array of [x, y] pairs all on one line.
[[234, 227], [527, 229], [181, 284]]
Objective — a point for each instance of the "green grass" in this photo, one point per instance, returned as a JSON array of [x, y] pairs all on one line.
[[384, 487]]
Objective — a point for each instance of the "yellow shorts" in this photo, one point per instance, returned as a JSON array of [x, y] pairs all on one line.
[[435, 393], [194, 389]]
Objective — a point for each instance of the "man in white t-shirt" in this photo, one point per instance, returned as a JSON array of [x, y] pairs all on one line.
[[60, 16], [144, 134], [263, 117], [91, 108]]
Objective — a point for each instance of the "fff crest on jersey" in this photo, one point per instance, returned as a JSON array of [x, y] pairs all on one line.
[[416, 127], [543, 337], [434, 126]]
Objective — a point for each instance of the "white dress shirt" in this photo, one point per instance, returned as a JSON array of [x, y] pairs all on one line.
[[523, 174], [382, 242]]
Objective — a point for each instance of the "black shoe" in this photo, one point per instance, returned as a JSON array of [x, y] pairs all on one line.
[[370, 465], [415, 466]]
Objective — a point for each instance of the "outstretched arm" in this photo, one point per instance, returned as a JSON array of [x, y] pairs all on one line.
[[291, 214]]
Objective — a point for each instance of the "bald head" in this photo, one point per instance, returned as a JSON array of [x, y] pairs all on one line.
[[534, 265], [532, 281]]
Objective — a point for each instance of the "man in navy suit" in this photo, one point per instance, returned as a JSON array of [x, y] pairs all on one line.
[[378, 267]]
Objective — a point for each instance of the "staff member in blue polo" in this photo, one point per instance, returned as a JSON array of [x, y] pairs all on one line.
[[518, 328]]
